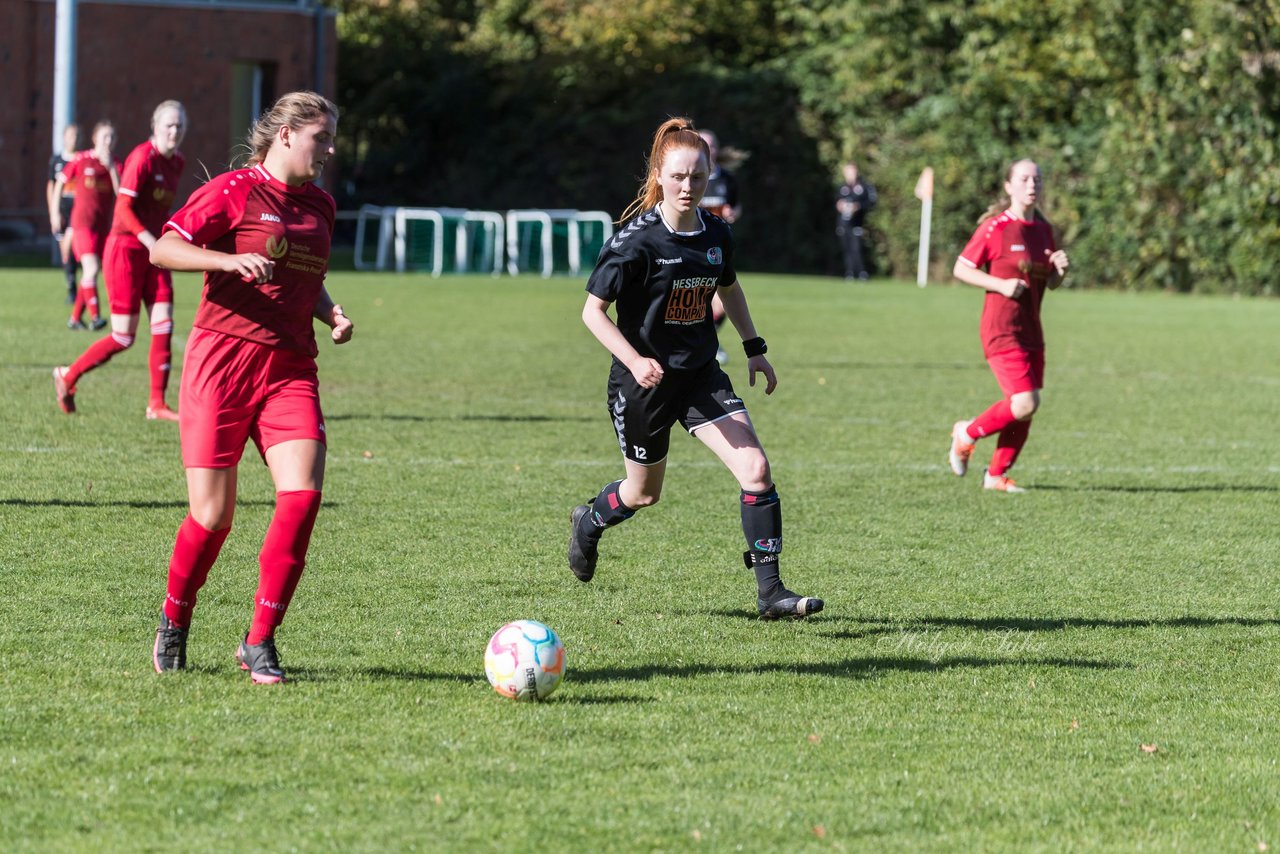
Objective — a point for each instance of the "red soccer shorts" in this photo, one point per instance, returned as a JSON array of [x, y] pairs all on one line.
[[131, 278], [235, 390], [1018, 370], [86, 241]]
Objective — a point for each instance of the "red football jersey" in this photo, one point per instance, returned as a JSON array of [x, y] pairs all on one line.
[[148, 186], [1010, 248], [95, 192], [249, 211]]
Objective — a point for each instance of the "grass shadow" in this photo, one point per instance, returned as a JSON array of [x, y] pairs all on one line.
[[1053, 624], [387, 674], [747, 614], [594, 700], [1138, 490], [848, 668], [506, 419]]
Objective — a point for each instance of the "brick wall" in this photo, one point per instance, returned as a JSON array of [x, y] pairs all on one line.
[[130, 57]]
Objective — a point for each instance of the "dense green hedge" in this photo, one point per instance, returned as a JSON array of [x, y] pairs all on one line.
[[1155, 122]]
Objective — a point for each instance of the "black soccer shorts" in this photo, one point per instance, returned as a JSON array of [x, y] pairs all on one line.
[[643, 417]]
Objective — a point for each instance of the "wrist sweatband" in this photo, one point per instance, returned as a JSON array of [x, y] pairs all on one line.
[[754, 347]]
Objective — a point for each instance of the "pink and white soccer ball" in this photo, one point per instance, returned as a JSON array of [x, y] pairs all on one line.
[[524, 660]]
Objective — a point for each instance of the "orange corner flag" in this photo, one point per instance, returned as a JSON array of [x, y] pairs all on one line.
[[924, 187]]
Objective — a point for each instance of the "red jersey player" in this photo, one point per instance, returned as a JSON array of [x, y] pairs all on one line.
[[261, 235], [96, 174], [148, 185], [1013, 257]]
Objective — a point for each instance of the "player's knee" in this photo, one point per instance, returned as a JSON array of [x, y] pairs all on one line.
[[754, 474], [213, 516], [1023, 406], [123, 340]]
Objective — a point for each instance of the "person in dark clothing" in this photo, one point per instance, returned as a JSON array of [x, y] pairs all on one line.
[[854, 200], [659, 273]]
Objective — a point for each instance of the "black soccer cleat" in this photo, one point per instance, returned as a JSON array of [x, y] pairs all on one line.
[[170, 651], [788, 605], [261, 660], [582, 549]]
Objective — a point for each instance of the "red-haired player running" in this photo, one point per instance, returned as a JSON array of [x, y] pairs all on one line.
[[1013, 257], [658, 273], [96, 175], [261, 235], [148, 185]]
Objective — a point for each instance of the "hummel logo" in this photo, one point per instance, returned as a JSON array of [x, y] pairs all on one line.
[[669, 260], [267, 217]]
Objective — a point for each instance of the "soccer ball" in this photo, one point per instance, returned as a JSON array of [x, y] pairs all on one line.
[[524, 660]]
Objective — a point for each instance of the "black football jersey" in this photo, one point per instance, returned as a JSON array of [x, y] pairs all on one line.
[[56, 162], [863, 194], [661, 284], [722, 191]]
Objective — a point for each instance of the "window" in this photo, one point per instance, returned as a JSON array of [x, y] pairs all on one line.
[[252, 91]]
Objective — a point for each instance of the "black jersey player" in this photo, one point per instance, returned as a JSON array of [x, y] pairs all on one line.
[[721, 198], [62, 239], [660, 272]]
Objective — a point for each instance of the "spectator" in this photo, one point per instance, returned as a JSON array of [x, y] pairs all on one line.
[[854, 200]]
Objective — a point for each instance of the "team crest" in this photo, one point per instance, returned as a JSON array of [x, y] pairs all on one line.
[[715, 256], [277, 246]]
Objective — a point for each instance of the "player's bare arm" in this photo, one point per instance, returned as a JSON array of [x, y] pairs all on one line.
[[171, 252], [330, 313], [1060, 265], [595, 314], [1011, 288], [735, 308]]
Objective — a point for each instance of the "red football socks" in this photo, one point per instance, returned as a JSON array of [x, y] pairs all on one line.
[[1008, 446], [282, 559], [193, 554], [159, 358], [997, 417], [89, 295], [98, 353]]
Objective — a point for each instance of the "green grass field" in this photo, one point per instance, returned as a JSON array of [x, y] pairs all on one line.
[[1092, 665]]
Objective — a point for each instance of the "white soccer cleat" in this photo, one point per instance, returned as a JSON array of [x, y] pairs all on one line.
[[999, 483], [961, 448]]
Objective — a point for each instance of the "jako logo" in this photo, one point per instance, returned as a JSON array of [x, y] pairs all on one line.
[[269, 217], [714, 255], [277, 246]]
